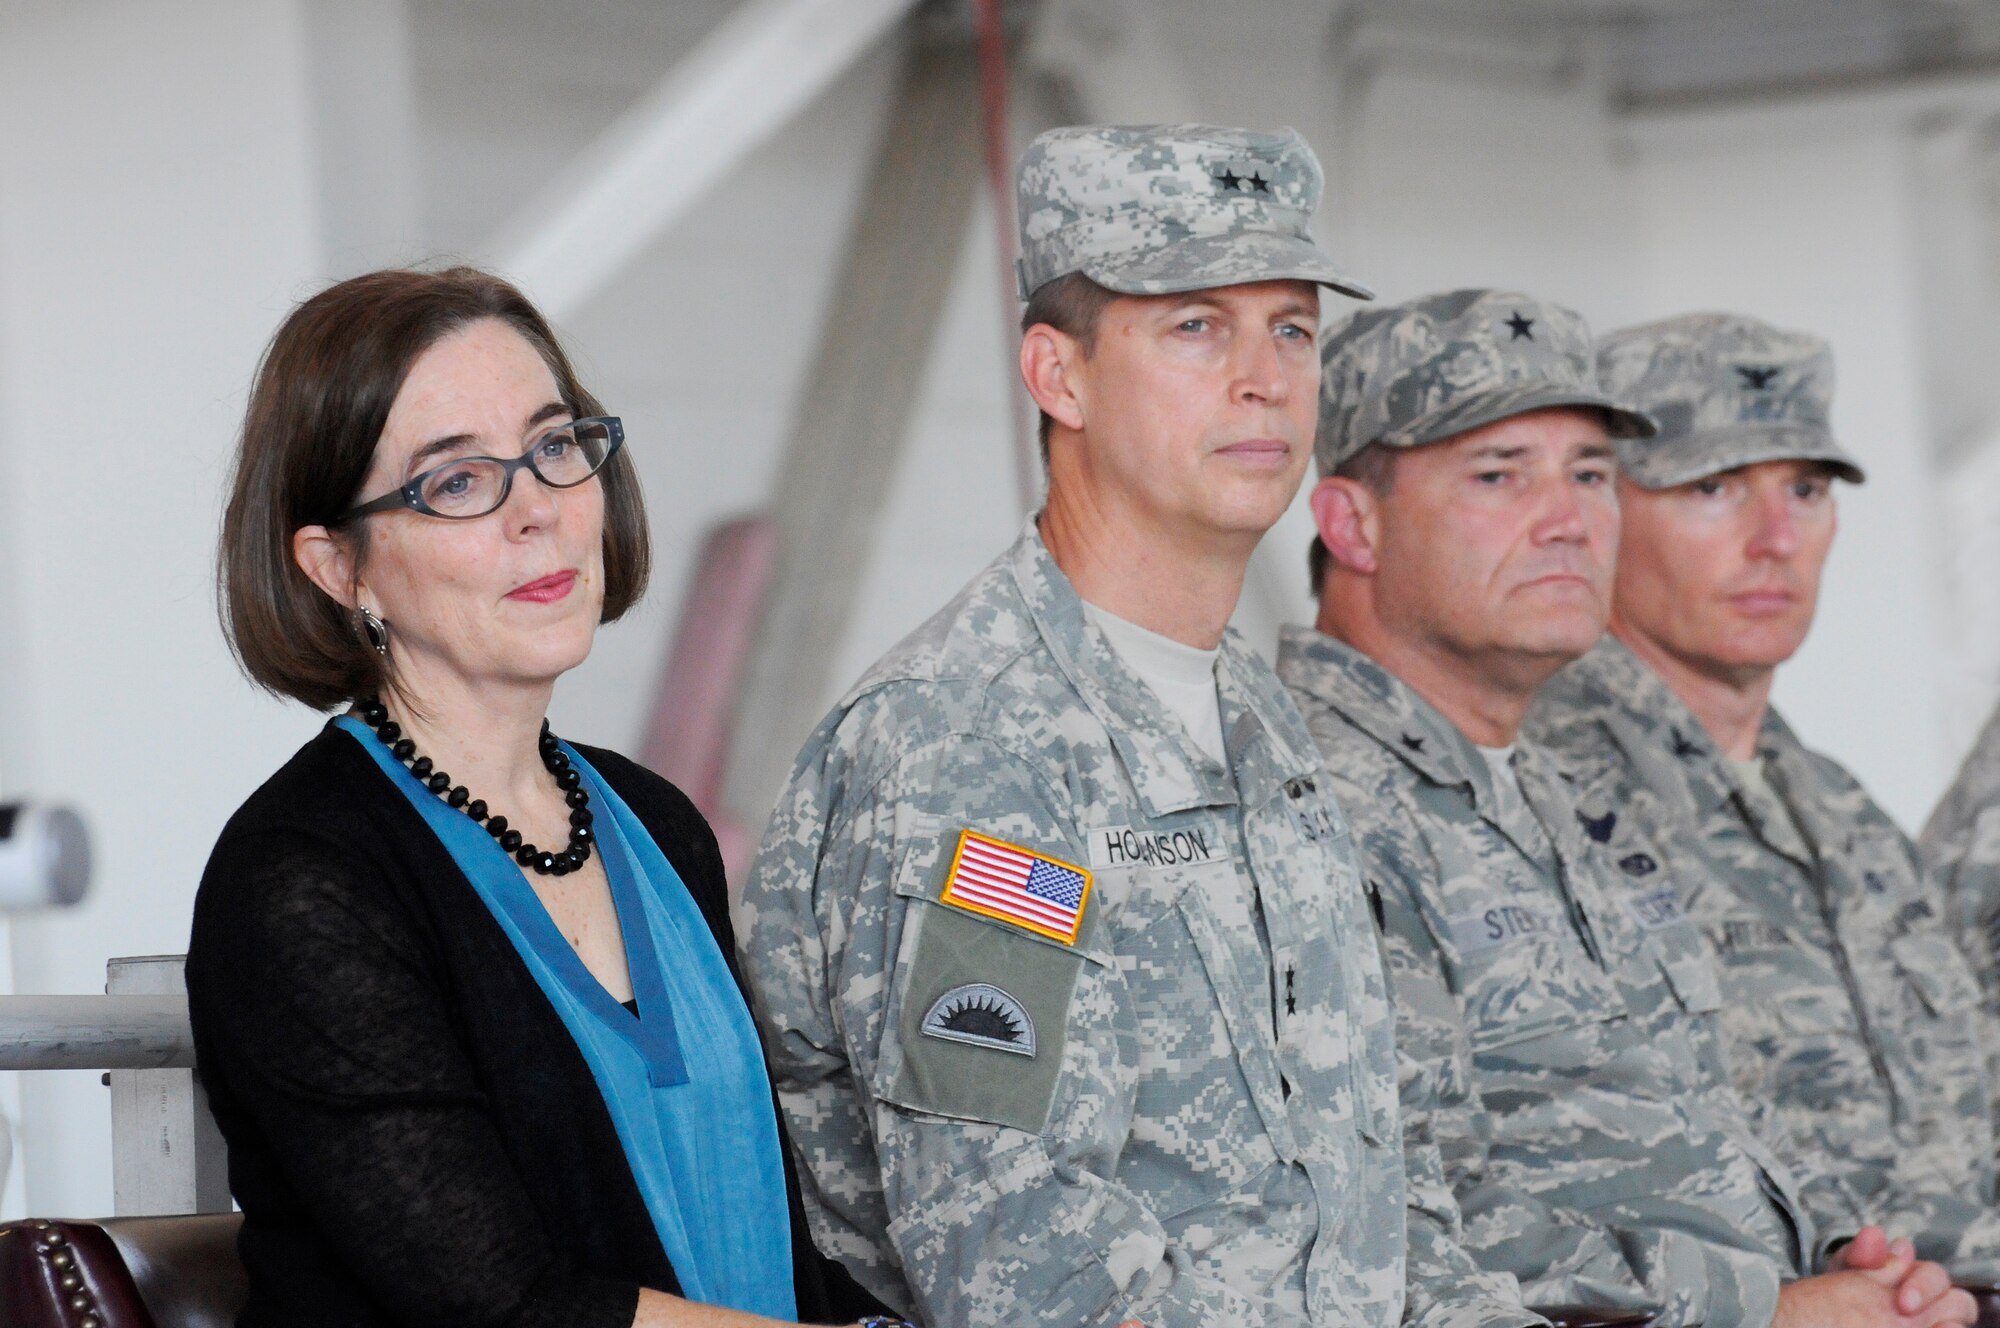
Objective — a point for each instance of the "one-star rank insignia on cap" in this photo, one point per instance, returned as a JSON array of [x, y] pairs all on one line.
[[980, 1014], [1012, 884]]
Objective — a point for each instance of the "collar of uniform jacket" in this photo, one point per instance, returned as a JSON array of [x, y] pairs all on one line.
[[1789, 768], [1169, 773], [1384, 707], [1331, 673], [1618, 679]]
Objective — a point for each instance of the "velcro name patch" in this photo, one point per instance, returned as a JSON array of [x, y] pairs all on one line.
[[1656, 908], [1123, 846], [1738, 935], [1502, 924]]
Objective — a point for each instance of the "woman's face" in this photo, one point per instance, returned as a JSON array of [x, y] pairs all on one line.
[[510, 598]]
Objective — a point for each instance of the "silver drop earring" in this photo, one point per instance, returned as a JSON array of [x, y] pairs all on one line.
[[373, 630]]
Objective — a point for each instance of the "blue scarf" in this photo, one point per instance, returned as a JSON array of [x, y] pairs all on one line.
[[684, 1079]]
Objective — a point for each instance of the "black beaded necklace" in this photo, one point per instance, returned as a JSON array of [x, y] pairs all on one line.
[[376, 715]]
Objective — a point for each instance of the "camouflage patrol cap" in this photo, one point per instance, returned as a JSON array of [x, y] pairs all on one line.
[[1728, 391], [1435, 367], [1159, 209]]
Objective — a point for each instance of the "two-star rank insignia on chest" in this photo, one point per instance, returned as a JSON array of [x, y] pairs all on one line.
[[1012, 884]]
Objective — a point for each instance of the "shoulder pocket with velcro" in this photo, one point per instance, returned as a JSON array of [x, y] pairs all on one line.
[[980, 1015]]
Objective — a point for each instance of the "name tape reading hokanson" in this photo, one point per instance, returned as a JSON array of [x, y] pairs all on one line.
[[1005, 881]]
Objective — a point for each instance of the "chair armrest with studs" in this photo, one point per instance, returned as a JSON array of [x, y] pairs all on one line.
[[123, 1272], [66, 1275]]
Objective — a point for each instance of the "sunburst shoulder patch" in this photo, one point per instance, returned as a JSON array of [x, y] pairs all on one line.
[[980, 1014]]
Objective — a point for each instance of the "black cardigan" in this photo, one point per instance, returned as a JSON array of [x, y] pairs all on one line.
[[414, 1137]]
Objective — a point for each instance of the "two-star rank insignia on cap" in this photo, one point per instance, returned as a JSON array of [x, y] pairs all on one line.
[[1230, 182], [1012, 884]]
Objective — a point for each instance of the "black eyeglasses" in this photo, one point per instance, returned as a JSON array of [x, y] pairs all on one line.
[[562, 458]]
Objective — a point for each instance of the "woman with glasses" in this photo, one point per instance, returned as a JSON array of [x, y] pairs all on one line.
[[463, 993]]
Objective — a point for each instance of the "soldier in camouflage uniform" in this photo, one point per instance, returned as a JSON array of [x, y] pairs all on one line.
[[1960, 847], [1078, 1017], [1852, 1025], [1557, 1007]]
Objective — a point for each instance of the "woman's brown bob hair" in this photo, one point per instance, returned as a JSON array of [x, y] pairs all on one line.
[[317, 409]]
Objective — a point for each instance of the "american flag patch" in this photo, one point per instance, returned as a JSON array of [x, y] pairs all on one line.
[[1005, 881]]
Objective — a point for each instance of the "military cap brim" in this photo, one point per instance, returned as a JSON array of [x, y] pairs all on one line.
[[1716, 450], [1206, 262], [1479, 409]]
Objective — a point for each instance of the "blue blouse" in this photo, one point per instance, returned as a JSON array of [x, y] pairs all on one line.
[[683, 1079]]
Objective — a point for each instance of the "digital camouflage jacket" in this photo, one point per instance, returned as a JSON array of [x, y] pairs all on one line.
[[1072, 1024], [1558, 1010], [1853, 1027]]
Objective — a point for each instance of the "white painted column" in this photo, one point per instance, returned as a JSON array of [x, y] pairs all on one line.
[[159, 213]]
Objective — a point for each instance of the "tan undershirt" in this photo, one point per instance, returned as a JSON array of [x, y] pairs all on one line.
[[1180, 675]]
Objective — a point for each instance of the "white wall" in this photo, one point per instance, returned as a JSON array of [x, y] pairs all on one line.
[[157, 216]]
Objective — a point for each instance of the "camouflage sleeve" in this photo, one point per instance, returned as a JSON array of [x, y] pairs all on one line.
[[784, 957], [1560, 1254], [1966, 867], [1966, 871], [1959, 866], [1974, 791], [994, 1181]]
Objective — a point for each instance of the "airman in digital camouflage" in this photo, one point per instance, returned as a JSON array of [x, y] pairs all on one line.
[[1852, 1025], [1960, 847], [1554, 1003], [1067, 980]]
